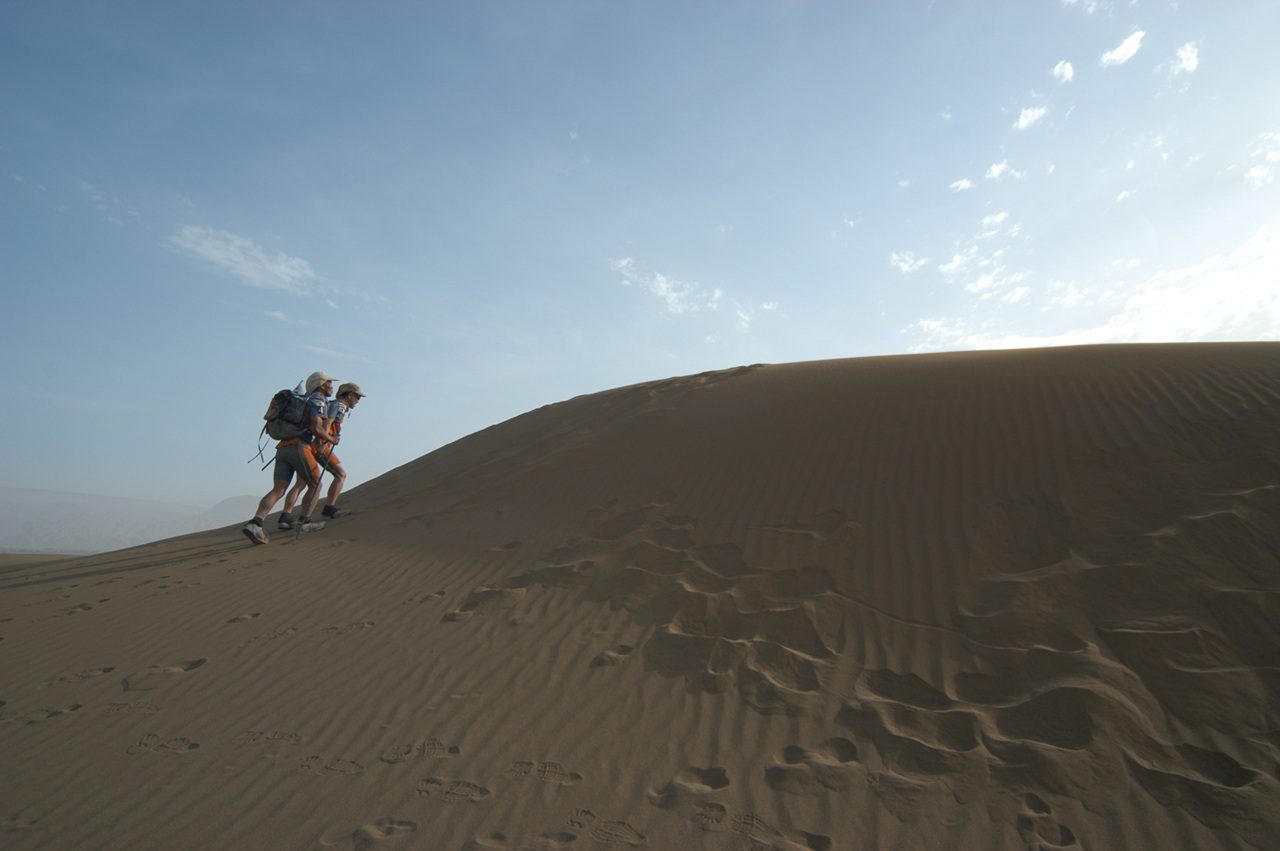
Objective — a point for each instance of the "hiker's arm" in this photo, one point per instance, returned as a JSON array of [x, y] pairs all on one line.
[[319, 427]]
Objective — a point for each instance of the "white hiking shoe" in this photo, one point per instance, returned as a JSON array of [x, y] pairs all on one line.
[[254, 533], [309, 526]]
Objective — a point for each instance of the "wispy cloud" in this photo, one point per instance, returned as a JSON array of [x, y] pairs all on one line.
[[246, 260], [116, 211], [281, 316], [1267, 154], [1231, 297], [1063, 71], [1001, 169], [906, 262], [334, 353], [20, 179], [1029, 117], [1089, 6], [685, 298], [680, 297], [1124, 52], [961, 185], [1188, 59]]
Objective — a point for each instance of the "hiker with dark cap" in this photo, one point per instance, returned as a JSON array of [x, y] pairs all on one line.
[[348, 395], [298, 455]]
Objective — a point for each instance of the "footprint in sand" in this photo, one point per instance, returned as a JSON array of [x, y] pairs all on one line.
[[270, 636], [332, 768], [547, 772], [610, 658], [689, 786], [452, 791], [76, 678], [153, 743], [432, 748], [1037, 826], [349, 629], [710, 814], [140, 706], [36, 716], [368, 835], [254, 737], [424, 597], [616, 833], [485, 600], [156, 675], [755, 828], [83, 607], [507, 547], [243, 618]]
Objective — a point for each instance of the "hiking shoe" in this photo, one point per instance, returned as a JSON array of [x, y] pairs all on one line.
[[309, 525], [285, 522], [331, 512], [254, 533]]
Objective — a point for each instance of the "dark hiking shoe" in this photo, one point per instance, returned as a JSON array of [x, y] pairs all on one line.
[[309, 525], [285, 522], [254, 533], [330, 512]]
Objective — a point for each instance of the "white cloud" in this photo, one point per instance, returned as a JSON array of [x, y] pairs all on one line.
[[1126, 50], [245, 260], [959, 262], [1268, 151], [961, 185], [993, 220], [1029, 116], [1001, 169], [1260, 175], [1063, 71], [1089, 6], [906, 262], [1221, 298], [1188, 59], [678, 296], [334, 353]]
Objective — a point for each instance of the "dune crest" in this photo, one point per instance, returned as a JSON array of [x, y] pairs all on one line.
[[982, 600]]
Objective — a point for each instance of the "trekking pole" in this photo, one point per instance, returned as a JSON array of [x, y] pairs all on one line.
[[320, 481]]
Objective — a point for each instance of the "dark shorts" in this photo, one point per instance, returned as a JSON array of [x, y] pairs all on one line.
[[297, 458], [325, 457]]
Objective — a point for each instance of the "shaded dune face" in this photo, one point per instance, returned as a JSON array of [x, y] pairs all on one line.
[[1053, 573]]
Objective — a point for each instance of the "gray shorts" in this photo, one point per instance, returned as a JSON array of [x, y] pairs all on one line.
[[297, 458]]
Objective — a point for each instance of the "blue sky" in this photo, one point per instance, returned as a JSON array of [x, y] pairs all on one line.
[[475, 209]]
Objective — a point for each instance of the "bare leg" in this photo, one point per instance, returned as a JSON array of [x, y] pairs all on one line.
[[291, 498], [279, 486], [339, 479]]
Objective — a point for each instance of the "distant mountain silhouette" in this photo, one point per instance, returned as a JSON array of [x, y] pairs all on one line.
[[42, 521]]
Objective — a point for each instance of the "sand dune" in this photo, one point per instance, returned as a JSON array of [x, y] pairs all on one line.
[[985, 600]]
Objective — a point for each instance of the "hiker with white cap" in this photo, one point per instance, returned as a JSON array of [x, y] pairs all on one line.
[[348, 396], [299, 455]]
